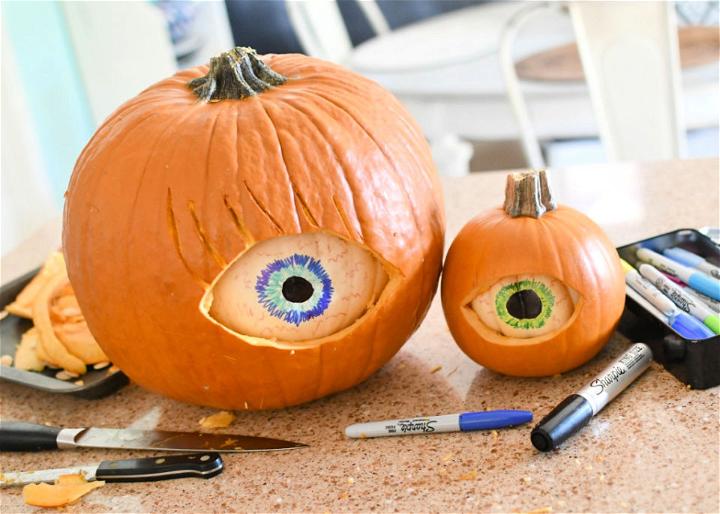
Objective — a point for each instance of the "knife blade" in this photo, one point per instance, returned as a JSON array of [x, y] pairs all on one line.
[[20, 436], [201, 465]]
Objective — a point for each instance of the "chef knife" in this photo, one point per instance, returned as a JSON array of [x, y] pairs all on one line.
[[201, 465], [21, 437]]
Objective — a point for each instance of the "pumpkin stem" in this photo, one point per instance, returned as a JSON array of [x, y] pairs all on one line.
[[528, 193], [235, 74]]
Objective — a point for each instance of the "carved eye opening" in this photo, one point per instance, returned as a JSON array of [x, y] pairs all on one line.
[[526, 306], [296, 288]]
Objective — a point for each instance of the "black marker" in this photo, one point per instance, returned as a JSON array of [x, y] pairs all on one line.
[[575, 411]]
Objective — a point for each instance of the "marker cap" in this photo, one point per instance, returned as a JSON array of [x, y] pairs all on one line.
[[493, 419], [713, 322], [568, 417], [683, 256], [690, 327], [705, 284]]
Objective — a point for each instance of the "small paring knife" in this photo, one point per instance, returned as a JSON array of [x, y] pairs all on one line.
[[23, 437], [200, 465]]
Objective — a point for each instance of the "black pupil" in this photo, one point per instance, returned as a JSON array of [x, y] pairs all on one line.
[[525, 304], [297, 289]]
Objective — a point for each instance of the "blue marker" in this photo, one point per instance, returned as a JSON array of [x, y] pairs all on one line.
[[695, 279], [691, 260], [684, 324], [465, 422]]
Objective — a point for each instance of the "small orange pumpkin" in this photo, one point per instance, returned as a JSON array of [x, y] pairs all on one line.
[[532, 289], [255, 234]]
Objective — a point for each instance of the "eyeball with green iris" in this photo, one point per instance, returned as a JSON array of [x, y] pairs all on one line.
[[526, 306], [297, 287]]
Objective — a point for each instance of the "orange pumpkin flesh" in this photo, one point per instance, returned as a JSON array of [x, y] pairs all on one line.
[[171, 190], [561, 243]]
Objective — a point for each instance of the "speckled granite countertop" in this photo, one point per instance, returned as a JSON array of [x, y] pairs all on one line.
[[655, 449]]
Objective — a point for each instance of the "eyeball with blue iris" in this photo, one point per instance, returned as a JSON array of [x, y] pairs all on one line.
[[298, 287]]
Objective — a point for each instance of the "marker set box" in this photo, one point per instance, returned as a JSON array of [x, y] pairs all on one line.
[[694, 362]]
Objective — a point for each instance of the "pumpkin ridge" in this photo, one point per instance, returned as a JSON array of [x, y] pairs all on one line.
[[553, 244], [349, 88], [270, 364], [129, 223], [293, 186], [262, 208], [401, 183], [602, 307], [115, 118], [85, 155], [175, 237], [320, 371], [570, 229], [364, 129], [92, 181], [342, 167]]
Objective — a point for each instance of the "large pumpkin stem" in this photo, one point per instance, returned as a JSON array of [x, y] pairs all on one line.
[[528, 193], [235, 74]]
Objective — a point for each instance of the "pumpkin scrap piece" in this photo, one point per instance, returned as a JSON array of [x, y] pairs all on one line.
[[60, 337], [470, 475], [66, 489], [22, 306], [52, 347], [78, 340], [26, 356], [221, 419]]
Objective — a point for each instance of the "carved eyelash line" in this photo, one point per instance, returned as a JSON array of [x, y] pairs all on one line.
[[203, 237], [175, 237]]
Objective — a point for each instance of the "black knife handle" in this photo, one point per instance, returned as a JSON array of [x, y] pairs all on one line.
[[201, 465], [17, 436]]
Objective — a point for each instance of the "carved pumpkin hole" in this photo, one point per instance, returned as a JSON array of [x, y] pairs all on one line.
[[296, 288], [526, 306]]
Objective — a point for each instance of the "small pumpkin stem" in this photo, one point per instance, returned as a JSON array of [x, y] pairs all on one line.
[[235, 74], [528, 193]]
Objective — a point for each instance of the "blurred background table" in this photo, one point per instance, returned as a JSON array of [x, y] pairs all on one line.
[[654, 449]]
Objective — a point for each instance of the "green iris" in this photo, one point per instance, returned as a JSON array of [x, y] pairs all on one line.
[[526, 304]]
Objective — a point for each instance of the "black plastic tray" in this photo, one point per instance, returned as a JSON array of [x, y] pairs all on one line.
[[696, 363], [96, 383]]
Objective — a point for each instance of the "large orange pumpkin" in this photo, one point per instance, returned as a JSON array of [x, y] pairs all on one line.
[[255, 234], [532, 288]]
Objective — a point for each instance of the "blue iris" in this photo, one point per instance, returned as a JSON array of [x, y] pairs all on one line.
[[272, 288]]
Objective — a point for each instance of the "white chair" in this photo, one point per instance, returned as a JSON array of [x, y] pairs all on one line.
[[629, 52], [448, 71], [633, 76]]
